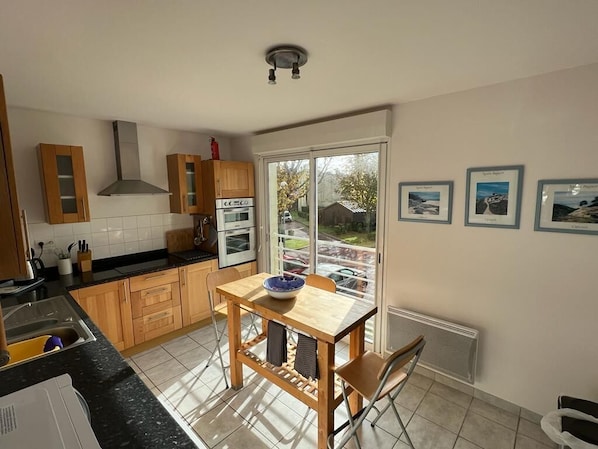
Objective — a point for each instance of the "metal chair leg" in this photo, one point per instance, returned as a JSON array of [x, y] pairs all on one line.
[[217, 348]]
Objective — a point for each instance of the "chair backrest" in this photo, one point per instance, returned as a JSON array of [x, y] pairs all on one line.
[[401, 357], [216, 278], [319, 281]]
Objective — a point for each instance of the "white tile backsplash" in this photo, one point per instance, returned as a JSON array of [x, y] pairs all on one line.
[[109, 237], [115, 223], [99, 225], [130, 222]]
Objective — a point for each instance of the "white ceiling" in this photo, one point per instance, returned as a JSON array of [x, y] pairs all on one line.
[[199, 65]]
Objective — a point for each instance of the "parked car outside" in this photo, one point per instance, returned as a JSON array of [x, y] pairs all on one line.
[[293, 264], [286, 216], [346, 278]]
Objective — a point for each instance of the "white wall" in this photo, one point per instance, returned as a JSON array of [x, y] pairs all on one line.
[[531, 294], [149, 215]]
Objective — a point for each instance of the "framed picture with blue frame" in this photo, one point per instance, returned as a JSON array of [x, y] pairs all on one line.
[[493, 196], [567, 205], [428, 202]]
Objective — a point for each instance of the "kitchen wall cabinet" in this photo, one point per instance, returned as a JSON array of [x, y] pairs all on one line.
[[226, 179], [185, 183], [194, 295], [109, 306], [155, 304], [12, 249], [64, 183]]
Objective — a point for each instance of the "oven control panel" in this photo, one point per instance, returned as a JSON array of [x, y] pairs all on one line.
[[233, 202]]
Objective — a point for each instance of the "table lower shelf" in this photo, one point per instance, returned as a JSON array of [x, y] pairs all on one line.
[[285, 376]]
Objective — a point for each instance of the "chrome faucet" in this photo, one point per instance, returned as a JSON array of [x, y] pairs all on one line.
[[16, 309]]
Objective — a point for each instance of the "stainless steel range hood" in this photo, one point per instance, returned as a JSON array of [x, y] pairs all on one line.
[[127, 164]]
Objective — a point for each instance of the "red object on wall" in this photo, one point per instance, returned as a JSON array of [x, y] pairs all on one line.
[[215, 149]]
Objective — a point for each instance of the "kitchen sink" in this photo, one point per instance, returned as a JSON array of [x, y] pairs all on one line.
[[29, 326]]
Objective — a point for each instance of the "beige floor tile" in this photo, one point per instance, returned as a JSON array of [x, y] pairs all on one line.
[[464, 444], [276, 419], [524, 442], [427, 435], [420, 381], [370, 437], [494, 413], [410, 396], [165, 371], [486, 433], [180, 345], [456, 396], [152, 357], [216, 425], [388, 421], [534, 431], [442, 412], [304, 436], [190, 396], [245, 438]]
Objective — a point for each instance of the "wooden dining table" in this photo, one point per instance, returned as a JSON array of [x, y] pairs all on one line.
[[323, 315]]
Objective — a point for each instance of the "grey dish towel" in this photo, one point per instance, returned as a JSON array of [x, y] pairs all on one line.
[[306, 358], [276, 344]]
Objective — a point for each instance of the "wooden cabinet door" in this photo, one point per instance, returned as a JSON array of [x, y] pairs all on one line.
[[109, 306], [65, 186], [247, 269], [228, 179], [12, 248], [194, 294], [185, 183]]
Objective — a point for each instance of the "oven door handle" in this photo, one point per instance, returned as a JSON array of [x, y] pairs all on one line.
[[236, 231]]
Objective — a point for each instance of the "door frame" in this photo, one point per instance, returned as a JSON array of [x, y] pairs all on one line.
[[311, 153]]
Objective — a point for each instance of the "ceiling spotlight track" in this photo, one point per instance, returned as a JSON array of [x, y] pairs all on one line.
[[285, 57]]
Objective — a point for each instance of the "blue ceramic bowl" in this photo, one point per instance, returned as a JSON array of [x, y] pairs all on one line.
[[284, 287]]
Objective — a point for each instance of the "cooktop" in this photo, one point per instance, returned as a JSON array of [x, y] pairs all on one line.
[[192, 254]]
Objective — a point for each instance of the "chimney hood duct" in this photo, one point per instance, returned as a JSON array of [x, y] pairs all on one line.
[[127, 164]]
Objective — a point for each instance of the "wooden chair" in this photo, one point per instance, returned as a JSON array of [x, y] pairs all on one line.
[[375, 378], [319, 281], [219, 310]]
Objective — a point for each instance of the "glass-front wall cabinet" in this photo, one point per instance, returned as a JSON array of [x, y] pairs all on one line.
[[64, 183]]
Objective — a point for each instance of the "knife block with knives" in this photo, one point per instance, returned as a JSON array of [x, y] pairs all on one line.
[[83, 257]]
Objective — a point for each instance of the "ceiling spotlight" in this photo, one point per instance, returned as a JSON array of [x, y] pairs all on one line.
[[285, 57], [272, 76]]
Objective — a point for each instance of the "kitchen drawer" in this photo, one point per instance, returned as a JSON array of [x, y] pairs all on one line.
[[156, 324], [154, 299], [155, 279]]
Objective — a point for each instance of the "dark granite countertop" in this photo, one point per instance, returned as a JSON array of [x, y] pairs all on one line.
[[124, 412]]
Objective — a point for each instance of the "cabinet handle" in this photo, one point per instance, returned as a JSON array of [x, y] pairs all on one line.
[[183, 277], [126, 291], [154, 291], [155, 276], [83, 209], [158, 317], [184, 199], [218, 187]]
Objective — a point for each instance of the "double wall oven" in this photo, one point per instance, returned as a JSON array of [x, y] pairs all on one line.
[[235, 224]]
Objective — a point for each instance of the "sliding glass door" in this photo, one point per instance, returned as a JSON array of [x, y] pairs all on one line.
[[322, 216]]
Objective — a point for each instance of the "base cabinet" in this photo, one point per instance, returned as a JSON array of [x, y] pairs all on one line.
[[109, 306], [194, 295], [134, 310], [155, 304]]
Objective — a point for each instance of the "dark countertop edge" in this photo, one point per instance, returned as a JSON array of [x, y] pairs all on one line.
[[124, 412], [75, 281]]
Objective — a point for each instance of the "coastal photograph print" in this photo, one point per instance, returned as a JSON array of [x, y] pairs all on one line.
[[567, 205], [493, 196], [429, 202]]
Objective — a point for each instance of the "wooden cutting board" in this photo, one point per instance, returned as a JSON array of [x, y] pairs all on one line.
[[179, 240]]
